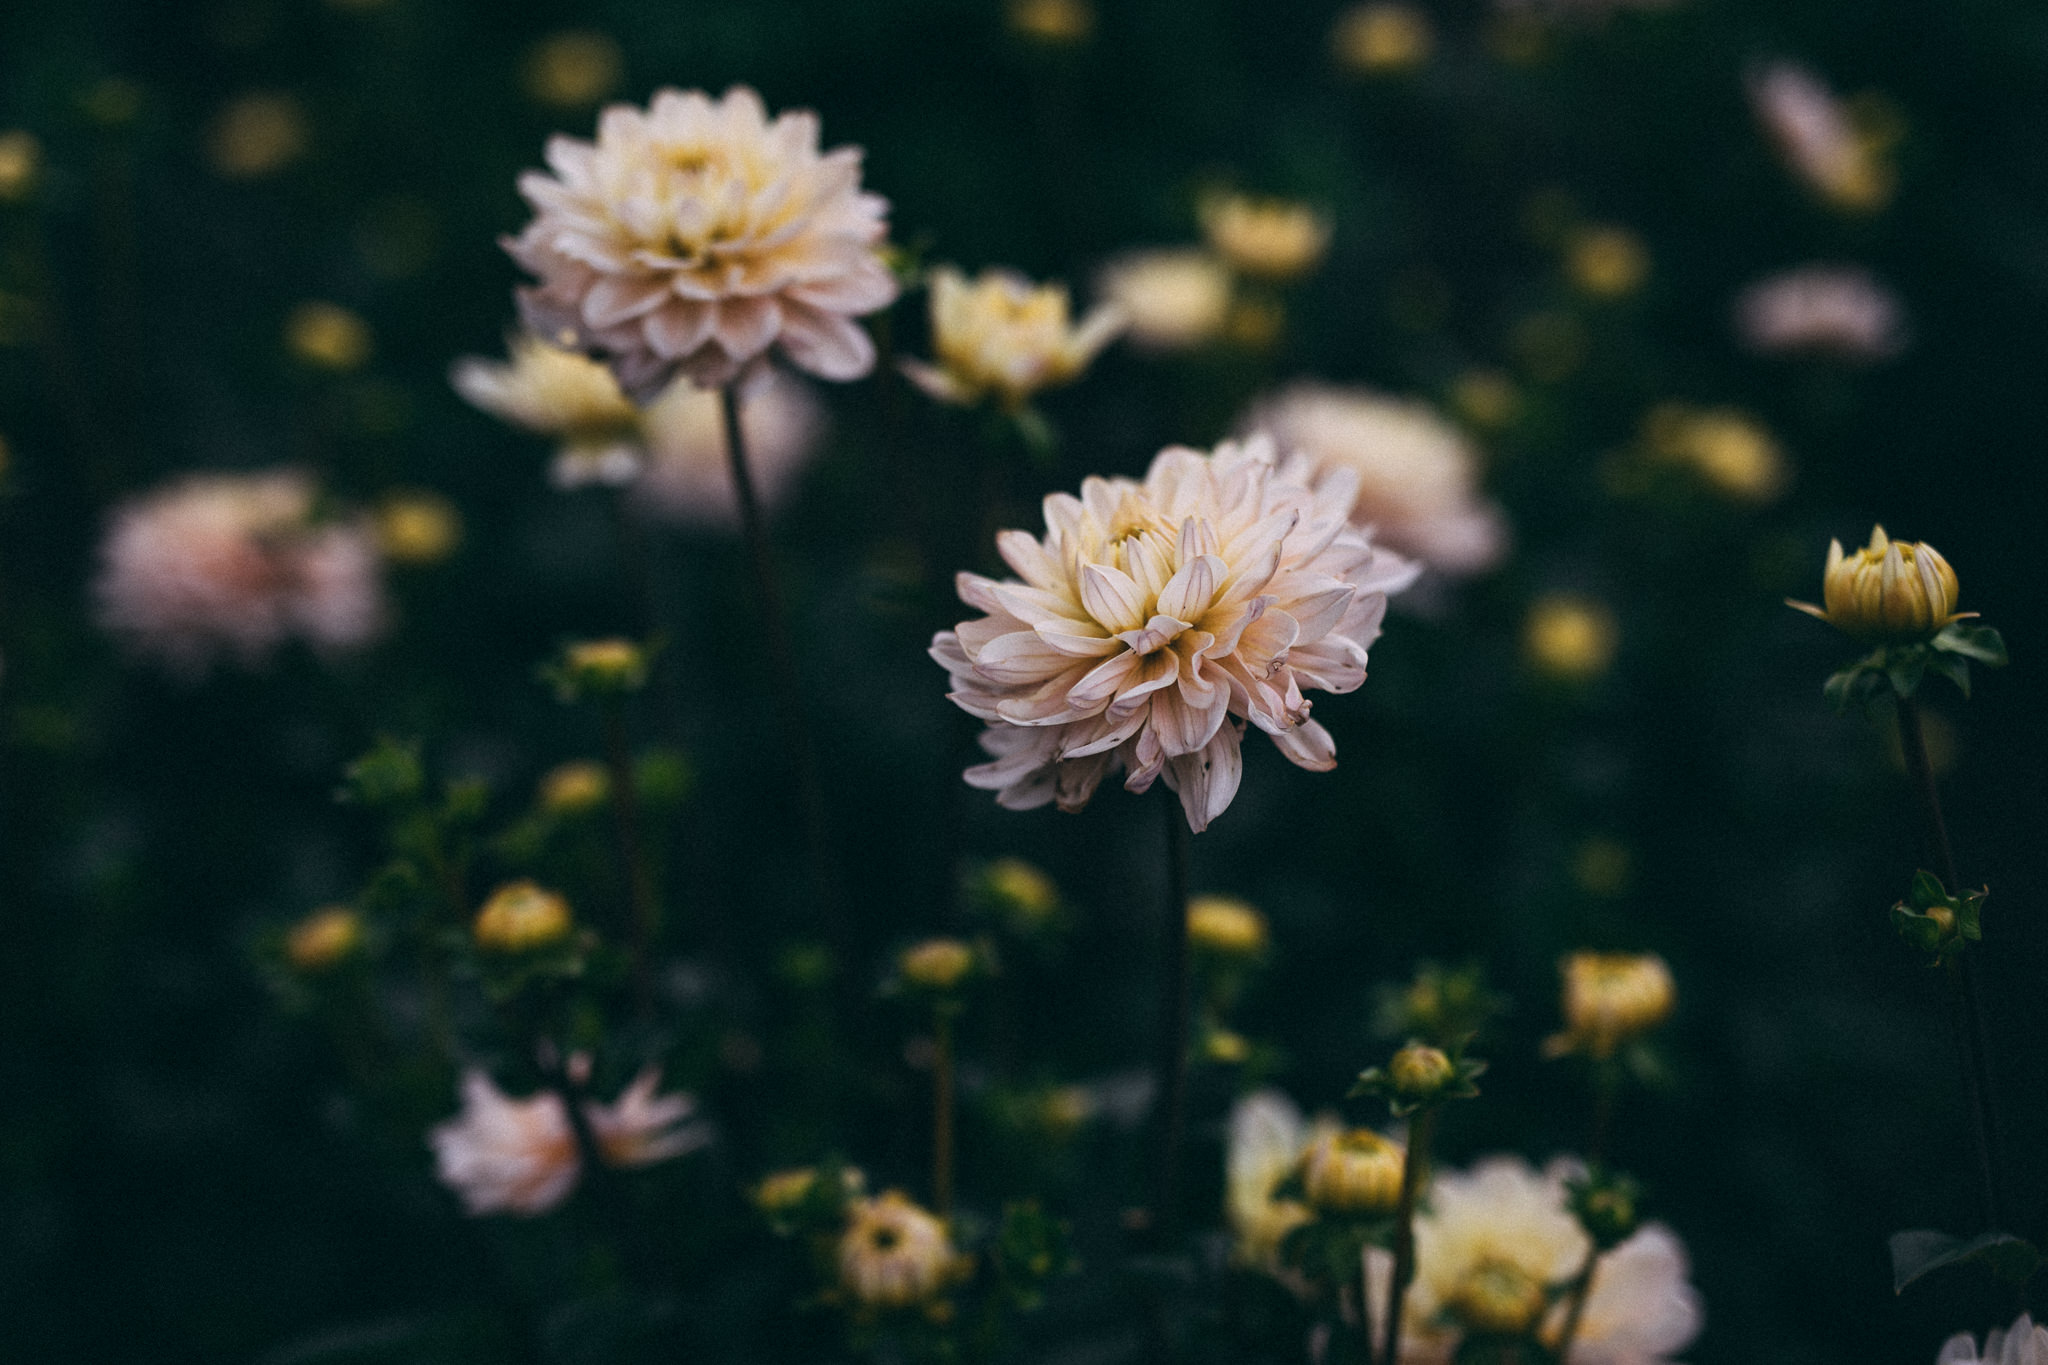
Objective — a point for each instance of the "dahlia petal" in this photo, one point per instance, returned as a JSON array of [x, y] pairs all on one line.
[[1207, 781], [1191, 590], [1308, 745], [621, 298], [1111, 597], [678, 328], [826, 344]]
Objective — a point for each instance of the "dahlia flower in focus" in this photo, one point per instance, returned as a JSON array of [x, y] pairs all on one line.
[[503, 1155], [1417, 475], [1267, 1139], [1157, 618], [1841, 158], [231, 566], [688, 478], [1172, 299], [2021, 1344], [558, 393], [1496, 1241], [1001, 337], [1823, 310], [694, 236]]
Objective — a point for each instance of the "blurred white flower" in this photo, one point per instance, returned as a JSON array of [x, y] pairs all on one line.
[[219, 566], [1502, 1219], [1819, 309], [1819, 139], [1000, 336], [558, 393], [2021, 1344], [1267, 1138], [503, 1155], [1156, 619], [1417, 474], [1172, 298], [694, 236], [688, 479], [1268, 239]]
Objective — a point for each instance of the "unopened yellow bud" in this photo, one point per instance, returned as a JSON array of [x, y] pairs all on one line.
[[1356, 1172], [1020, 892], [327, 336], [1226, 927], [601, 668], [1889, 592], [1569, 637], [324, 939], [575, 788], [1497, 1298], [418, 527], [1419, 1071], [521, 916], [1611, 999], [1226, 1048], [937, 964], [1607, 262]]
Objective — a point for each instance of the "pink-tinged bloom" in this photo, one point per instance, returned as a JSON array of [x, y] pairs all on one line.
[[1417, 474], [1157, 618], [688, 480], [231, 566], [1821, 141], [503, 1155], [1825, 310], [2021, 1344], [694, 236]]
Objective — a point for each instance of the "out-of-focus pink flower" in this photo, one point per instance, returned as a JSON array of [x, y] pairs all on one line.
[[688, 480], [1819, 309], [1842, 160], [231, 566]]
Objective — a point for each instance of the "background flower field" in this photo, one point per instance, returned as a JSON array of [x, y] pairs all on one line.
[[258, 233]]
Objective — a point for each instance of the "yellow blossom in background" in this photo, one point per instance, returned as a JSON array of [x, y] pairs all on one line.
[[1054, 23], [1374, 39], [1570, 637], [324, 939], [1486, 398], [21, 163], [255, 135], [1225, 1047], [1173, 299], [574, 69], [1725, 447], [1890, 591], [575, 788], [1065, 1108], [785, 1191], [1354, 1172], [937, 964], [1267, 239], [1607, 262], [415, 526], [561, 394], [1226, 927], [327, 336], [1001, 337], [1611, 999], [1025, 896], [521, 916], [894, 1254], [600, 668]]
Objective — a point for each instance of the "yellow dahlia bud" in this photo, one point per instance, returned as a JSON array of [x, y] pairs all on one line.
[[1268, 239], [1497, 1298], [1486, 398], [894, 1254], [418, 527], [937, 964], [575, 788], [521, 916], [1611, 999], [1888, 592], [1354, 1172], [1607, 262], [1726, 447], [21, 162], [1383, 37], [1226, 1047], [600, 668], [1569, 637], [324, 939], [1019, 892], [1001, 337], [327, 336], [783, 1192], [1419, 1071], [1226, 927]]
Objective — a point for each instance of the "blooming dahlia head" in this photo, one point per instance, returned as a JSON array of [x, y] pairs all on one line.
[[1156, 619], [694, 236]]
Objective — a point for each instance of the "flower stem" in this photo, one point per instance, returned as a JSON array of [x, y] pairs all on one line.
[[632, 855], [1414, 1170], [942, 1111], [1170, 1070], [782, 666], [1966, 1011], [1581, 1290]]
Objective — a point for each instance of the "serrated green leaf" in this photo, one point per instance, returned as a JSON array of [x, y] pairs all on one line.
[[1922, 1251]]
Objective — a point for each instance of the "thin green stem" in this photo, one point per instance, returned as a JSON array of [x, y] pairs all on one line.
[[1414, 1170], [1575, 1306], [644, 915], [1170, 1069]]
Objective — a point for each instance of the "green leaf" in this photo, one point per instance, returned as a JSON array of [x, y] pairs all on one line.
[[1927, 891], [1922, 1251], [1982, 643], [1955, 668], [1906, 673]]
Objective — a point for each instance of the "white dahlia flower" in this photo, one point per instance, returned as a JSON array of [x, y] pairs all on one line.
[[694, 236], [1417, 474], [2021, 1344], [688, 478], [1000, 336], [1267, 1138], [1157, 618], [503, 1155], [1829, 310], [558, 393], [1171, 298], [231, 566], [1503, 1223]]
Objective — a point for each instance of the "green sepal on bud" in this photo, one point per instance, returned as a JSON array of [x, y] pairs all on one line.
[[1446, 1007], [1931, 921], [1607, 1205], [1420, 1075], [1899, 669]]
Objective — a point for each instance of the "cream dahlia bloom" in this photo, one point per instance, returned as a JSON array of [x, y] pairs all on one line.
[[688, 476], [694, 236], [1267, 1139], [2021, 1344], [1417, 474], [1157, 618], [894, 1254], [1503, 1220], [231, 566], [1172, 298], [503, 1155], [558, 393], [1825, 310], [1000, 336]]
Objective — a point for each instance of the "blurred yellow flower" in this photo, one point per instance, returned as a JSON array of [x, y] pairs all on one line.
[[1354, 1172], [1025, 896], [1607, 262], [255, 135], [1611, 999], [786, 1190], [573, 69], [1055, 23], [1570, 637], [1890, 591], [1374, 39], [327, 336], [415, 526], [1173, 298], [1225, 1047], [1001, 337], [324, 939], [1267, 1139], [1268, 239], [21, 163], [937, 964], [1486, 398], [1724, 446], [894, 1254], [575, 788], [521, 916], [1497, 1297], [559, 393], [1226, 927]]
